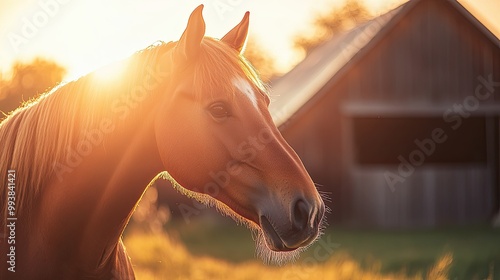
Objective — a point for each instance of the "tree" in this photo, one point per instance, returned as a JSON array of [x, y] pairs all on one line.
[[27, 81], [334, 21], [262, 62]]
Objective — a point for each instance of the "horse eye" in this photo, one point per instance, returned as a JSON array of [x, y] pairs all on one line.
[[219, 111]]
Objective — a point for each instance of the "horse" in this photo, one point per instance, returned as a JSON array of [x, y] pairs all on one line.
[[75, 162]]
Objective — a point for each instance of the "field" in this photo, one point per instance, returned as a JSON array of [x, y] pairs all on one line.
[[221, 250]]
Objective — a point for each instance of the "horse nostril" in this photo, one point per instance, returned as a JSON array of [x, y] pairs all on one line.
[[300, 217]]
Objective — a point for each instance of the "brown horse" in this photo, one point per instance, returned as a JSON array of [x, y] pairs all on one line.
[[75, 162]]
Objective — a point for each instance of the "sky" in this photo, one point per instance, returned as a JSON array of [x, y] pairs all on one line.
[[84, 35]]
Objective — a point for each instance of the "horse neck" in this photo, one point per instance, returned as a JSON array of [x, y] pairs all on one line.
[[100, 194]]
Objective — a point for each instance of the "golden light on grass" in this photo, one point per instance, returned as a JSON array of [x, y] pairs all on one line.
[[441, 268], [157, 256]]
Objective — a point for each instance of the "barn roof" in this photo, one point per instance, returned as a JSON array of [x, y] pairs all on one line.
[[328, 61]]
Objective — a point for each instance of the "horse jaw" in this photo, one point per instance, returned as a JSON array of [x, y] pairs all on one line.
[[262, 250]]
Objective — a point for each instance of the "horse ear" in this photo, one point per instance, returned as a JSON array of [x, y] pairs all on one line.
[[189, 44], [237, 37]]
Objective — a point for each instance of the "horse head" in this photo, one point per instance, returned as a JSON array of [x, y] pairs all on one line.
[[216, 139]]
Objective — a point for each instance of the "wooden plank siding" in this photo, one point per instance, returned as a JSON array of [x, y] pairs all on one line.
[[430, 197], [429, 61]]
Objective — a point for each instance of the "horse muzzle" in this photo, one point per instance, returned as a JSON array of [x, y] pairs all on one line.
[[297, 229]]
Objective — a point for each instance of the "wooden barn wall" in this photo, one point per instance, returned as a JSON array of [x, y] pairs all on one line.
[[315, 138], [434, 57]]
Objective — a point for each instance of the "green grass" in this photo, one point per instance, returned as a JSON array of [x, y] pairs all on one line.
[[475, 251]]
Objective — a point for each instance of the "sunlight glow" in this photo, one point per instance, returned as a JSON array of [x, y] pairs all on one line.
[[82, 35], [111, 73]]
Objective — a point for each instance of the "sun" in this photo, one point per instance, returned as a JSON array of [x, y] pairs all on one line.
[[110, 73]]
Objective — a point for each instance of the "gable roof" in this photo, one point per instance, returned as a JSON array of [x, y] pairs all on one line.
[[330, 60]]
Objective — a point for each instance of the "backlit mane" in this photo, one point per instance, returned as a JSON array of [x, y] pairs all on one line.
[[216, 58], [37, 136]]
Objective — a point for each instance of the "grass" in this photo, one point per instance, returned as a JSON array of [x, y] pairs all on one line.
[[215, 250], [158, 257], [476, 251]]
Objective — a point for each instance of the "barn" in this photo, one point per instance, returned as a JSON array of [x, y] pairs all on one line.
[[398, 118]]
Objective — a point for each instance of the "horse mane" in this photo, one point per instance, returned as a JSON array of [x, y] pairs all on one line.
[[217, 58], [38, 135]]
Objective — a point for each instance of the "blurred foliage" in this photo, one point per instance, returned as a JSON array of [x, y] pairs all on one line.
[[264, 64], [156, 256], [28, 80], [441, 269], [332, 22], [149, 215]]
